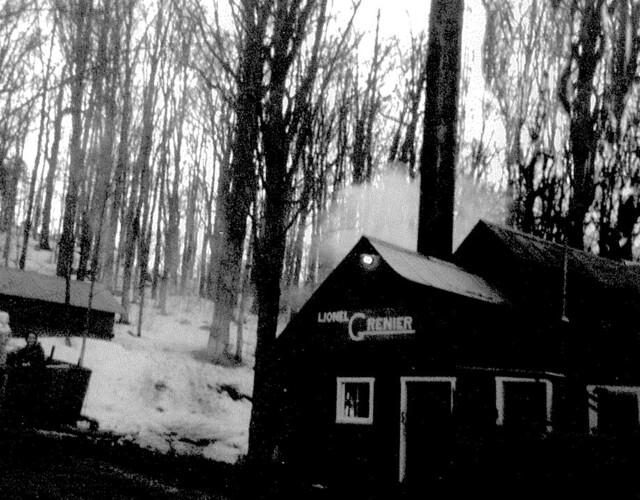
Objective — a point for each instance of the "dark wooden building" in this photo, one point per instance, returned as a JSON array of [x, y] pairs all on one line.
[[405, 369], [36, 303]]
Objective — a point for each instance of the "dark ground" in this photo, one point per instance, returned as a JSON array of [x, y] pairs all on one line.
[[43, 465], [71, 465]]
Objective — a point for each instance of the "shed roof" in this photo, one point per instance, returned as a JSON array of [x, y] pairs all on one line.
[[440, 274], [30, 285]]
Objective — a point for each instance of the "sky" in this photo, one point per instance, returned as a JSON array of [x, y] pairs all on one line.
[[395, 15]]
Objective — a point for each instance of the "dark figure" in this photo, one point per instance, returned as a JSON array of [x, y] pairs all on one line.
[[32, 354], [29, 364]]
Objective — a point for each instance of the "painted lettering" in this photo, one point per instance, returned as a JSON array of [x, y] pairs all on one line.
[[379, 326], [360, 325], [356, 335], [390, 324], [408, 322], [333, 317]]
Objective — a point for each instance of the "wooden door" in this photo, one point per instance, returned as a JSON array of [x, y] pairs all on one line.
[[426, 426]]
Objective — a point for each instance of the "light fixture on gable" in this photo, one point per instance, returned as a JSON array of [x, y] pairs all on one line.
[[369, 261]]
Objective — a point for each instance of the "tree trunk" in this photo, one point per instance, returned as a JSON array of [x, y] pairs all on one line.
[[34, 173], [217, 232], [414, 94], [172, 241], [172, 244], [51, 174], [85, 237], [119, 181], [362, 141], [311, 273], [76, 167], [37, 211], [99, 133], [190, 236], [582, 133], [134, 210], [245, 300], [144, 241], [105, 168], [277, 133], [162, 243], [158, 248], [207, 240], [234, 199], [11, 173]]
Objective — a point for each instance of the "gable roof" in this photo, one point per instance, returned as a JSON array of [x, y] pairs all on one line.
[[436, 273], [598, 276], [30, 285], [409, 265], [605, 271]]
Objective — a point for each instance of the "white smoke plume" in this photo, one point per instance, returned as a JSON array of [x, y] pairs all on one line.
[[388, 209]]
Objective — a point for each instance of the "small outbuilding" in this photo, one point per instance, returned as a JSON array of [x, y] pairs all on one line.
[[403, 368], [36, 303]]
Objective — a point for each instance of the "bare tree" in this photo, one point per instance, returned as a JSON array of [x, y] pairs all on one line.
[[41, 132], [123, 16], [283, 130], [576, 93], [53, 168], [190, 237], [141, 174], [237, 185], [365, 112], [81, 25]]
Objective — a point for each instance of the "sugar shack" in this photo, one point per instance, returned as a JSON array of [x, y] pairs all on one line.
[[516, 356]]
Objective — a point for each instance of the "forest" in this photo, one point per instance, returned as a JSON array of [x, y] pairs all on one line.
[[203, 147]]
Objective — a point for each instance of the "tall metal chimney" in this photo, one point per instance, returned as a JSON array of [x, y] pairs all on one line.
[[439, 147]]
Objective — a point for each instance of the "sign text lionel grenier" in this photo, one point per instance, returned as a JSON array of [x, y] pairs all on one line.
[[363, 325]]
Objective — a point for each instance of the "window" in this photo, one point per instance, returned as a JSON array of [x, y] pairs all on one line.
[[613, 409], [524, 403], [354, 403]]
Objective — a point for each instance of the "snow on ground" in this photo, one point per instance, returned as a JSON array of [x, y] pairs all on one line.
[[155, 390]]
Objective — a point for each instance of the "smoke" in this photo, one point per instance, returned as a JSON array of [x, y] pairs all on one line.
[[388, 209], [475, 202]]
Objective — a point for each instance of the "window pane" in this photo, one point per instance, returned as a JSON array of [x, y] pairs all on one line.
[[525, 405], [356, 399], [617, 411]]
